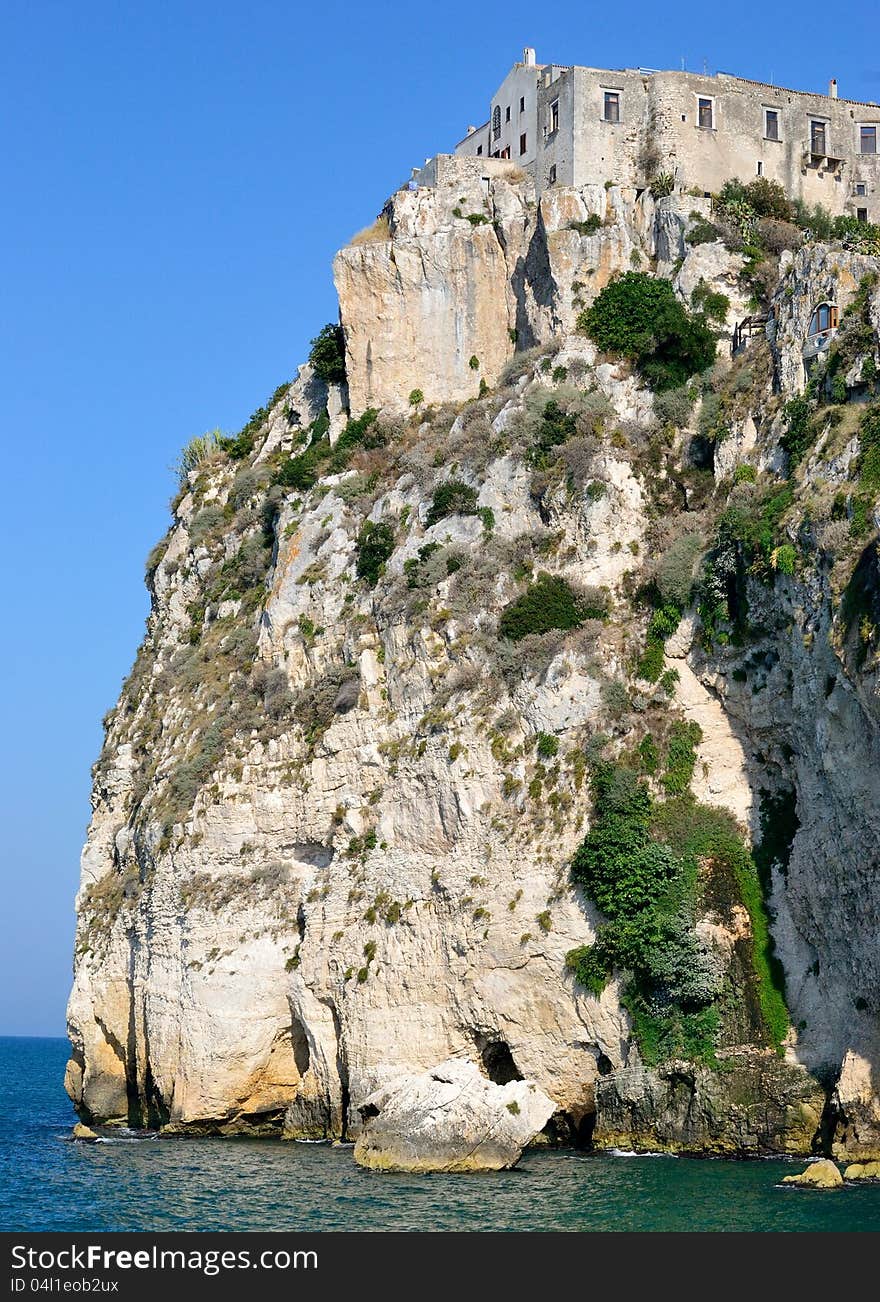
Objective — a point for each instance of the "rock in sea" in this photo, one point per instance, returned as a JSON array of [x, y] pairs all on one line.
[[818, 1175], [862, 1171], [84, 1132], [450, 1118]]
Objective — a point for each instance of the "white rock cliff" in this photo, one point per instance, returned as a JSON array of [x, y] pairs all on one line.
[[327, 849]]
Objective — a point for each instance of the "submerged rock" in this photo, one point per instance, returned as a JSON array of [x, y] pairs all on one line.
[[818, 1175], [450, 1119]]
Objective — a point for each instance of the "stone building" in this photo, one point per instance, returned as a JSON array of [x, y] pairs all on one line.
[[578, 126]]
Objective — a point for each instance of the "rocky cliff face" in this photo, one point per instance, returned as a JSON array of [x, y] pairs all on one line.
[[337, 804]]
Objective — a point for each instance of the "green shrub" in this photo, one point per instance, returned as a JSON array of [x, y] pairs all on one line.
[[869, 450], [747, 535], [375, 543], [639, 317], [303, 471], [861, 237], [416, 398], [327, 354], [702, 231], [452, 497], [681, 757], [298, 472], [768, 199], [649, 756], [590, 967], [712, 304], [547, 745], [650, 665], [547, 604], [674, 406], [555, 427], [745, 474], [675, 573], [589, 227], [784, 559], [242, 445], [474, 363], [644, 864], [663, 623]]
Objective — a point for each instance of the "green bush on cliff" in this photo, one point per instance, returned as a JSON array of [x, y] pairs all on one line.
[[652, 868], [303, 471], [590, 967], [639, 317], [550, 603], [681, 756], [327, 354], [452, 497], [662, 624], [375, 543], [242, 445]]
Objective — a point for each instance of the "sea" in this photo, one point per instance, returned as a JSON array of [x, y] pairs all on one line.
[[137, 1182]]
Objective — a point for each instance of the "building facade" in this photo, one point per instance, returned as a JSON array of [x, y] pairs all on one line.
[[578, 126]]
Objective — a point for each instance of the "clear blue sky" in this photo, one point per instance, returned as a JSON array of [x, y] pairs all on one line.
[[176, 178]]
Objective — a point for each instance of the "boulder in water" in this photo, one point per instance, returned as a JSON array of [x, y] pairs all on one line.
[[862, 1171], [85, 1133], [818, 1175], [450, 1118]]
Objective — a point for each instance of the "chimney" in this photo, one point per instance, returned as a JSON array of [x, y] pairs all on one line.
[[529, 57], [832, 88]]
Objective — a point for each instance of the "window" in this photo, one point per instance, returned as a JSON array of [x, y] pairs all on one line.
[[522, 103], [505, 153], [522, 143], [611, 109], [860, 189], [824, 319], [705, 113], [496, 122], [868, 139], [818, 140], [554, 116], [771, 124], [551, 175], [507, 114], [479, 149], [862, 215], [760, 168]]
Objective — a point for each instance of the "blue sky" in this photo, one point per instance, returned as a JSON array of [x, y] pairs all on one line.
[[177, 177]]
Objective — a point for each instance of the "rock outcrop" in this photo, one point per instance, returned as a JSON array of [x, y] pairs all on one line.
[[756, 1105], [818, 1175], [336, 808], [862, 1171], [450, 1118], [84, 1134]]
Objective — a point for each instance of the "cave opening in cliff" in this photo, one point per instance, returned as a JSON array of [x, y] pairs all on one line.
[[497, 1060]]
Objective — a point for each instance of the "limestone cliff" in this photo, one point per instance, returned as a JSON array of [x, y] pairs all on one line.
[[336, 808]]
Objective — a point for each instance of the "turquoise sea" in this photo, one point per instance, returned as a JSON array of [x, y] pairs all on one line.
[[138, 1183]]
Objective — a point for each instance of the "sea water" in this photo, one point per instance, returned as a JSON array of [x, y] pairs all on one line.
[[133, 1182]]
